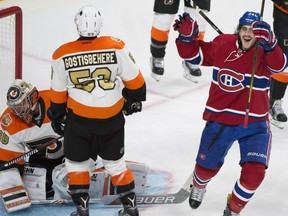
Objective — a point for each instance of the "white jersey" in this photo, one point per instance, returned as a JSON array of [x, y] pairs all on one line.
[[90, 74]]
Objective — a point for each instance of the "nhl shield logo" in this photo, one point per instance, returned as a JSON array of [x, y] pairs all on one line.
[[6, 120], [285, 42]]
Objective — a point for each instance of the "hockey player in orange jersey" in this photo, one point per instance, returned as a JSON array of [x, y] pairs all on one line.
[[94, 81], [24, 125], [164, 15]]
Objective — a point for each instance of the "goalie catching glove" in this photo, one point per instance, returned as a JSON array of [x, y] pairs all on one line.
[[187, 27], [57, 123], [266, 37]]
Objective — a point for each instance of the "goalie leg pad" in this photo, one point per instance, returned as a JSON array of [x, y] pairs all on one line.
[[35, 182], [12, 190]]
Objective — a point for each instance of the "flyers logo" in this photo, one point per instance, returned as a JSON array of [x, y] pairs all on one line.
[[168, 2], [230, 81]]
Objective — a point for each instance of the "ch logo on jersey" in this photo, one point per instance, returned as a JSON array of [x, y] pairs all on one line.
[[230, 81], [168, 2]]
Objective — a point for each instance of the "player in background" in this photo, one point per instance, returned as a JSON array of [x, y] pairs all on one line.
[[232, 56], [94, 81], [25, 125], [164, 15], [279, 81]]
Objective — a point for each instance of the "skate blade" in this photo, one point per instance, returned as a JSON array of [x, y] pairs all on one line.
[[156, 76], [191, 78], [277, 123]]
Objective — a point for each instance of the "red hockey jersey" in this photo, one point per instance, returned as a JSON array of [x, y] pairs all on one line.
[[232, 69]]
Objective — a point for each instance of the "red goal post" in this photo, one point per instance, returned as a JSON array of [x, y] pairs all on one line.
[[10, 49]]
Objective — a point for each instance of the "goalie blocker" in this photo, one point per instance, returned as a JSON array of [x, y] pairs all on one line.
[[12, 190]]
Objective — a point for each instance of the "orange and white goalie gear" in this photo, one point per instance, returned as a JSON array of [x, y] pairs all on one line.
[[90, 75], [100, 180], [35, 182], [12, 190]]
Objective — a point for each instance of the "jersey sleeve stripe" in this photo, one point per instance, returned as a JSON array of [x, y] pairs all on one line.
[[135, 83], [58, 97]]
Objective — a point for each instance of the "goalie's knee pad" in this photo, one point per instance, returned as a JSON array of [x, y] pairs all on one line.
[[166, 6], [35, 182], [12, 190]]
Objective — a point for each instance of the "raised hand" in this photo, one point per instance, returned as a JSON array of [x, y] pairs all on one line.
[[187, 27], [266, 37]]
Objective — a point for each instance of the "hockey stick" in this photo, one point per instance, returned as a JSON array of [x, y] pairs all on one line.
[[142, 199], [253, 73], [209, 21], [29, 153], [205, 17]]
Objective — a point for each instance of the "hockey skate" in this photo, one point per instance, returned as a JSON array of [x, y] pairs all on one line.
[[191, 72], [157, 67], [196, 197], [129, 205], [228, 212], [277, 115], [82, 209]]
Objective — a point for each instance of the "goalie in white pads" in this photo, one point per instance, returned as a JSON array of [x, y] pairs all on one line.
[[24, 126]]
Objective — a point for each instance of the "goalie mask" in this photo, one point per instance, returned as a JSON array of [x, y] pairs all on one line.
[[88, 21], [22, 98]]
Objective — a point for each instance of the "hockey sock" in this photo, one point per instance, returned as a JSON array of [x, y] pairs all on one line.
[[252, 175], [202, 176]]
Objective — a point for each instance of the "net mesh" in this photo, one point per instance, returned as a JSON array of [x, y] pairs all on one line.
[[8, 51]]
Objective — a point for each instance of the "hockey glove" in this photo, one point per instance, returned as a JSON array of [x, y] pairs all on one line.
[[131, 107], [57, 123], [262, 32], [187, 27]]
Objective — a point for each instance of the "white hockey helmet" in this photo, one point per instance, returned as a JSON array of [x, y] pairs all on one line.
[[88, 21], [22, 98]]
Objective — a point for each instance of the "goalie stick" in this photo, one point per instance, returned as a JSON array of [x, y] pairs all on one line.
[[141, 199], [29, 153]]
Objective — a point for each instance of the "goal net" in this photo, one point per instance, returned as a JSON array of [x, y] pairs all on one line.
[[10, 49]]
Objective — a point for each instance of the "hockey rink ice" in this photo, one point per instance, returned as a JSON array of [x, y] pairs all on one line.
[[166, 134]]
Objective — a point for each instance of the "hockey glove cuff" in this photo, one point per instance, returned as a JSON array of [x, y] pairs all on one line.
[[57, 123], [187, 27], [266, 37]]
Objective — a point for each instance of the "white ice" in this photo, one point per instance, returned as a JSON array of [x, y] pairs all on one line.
[[165, 135]]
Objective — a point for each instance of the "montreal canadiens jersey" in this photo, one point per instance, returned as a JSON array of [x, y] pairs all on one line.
[[17, 137], [231, 77], [89, 76]]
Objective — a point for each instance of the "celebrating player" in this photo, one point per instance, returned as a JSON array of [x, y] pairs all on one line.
[[24, 125], [164, 14], [94, 81], [232, 58]]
